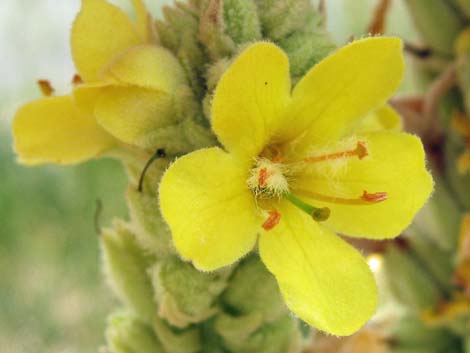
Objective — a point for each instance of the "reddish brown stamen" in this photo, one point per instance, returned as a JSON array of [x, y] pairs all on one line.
[[76, 80], [365, 199], [374, 197], [263, 177], [272, 221], [360, 151], [46, 87]]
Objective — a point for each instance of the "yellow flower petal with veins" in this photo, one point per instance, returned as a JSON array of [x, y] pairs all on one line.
[[146, 66], [384, 118], [144, 20], [53, 130], [250, 99], [395, 165], [333, 97], [133, 114], [100, 31], [215, 228], [324, 280]]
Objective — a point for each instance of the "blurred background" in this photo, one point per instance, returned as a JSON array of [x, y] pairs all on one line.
[[52, 295]]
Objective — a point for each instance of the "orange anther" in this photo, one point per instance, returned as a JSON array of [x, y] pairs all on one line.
[[272, 221], [263, 177], [361, 150], [374, 197], [76, 80], [46, 87]]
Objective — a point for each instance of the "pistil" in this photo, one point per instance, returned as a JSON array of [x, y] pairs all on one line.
[[318, 214]]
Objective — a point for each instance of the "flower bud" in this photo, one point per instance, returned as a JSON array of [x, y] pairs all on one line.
[[305, 49], [253, 289], [181, 341], [186, 295], [439, 218], [126, 270], [126, 333], [241, 20]]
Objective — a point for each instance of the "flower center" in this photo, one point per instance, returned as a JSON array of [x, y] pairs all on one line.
[[268, 179], [270, 175]]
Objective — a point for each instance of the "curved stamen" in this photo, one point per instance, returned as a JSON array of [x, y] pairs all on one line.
[[46, 87], [263, 177], [272, 221], [318, 214], [365, 199], [360, 151]]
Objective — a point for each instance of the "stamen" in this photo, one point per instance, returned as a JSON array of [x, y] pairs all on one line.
[[374, 197], [365, 199], [360, 151], [318, 214], [263, 177], [272, 221], [45, 87], [76, 80]]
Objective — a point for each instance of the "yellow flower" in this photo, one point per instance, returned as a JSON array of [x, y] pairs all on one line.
[[126, 95], [297, 167]]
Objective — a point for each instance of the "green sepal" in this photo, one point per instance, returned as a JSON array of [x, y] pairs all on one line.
[[439, 263], [439, 219], [212, 30], [175, 340], [186, 295], [125, 265], [241, 21], [411, 332], [305, 49], [151, 231], [409, 281], [253, 289], [125, 333], [281, 18], [280, 336]]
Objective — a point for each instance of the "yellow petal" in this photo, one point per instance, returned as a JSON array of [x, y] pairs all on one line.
[[324, 280], [384, 118], [250, 99], [53, 130], [146, 66], [334, 95], [86, 95], [210, 211], [395, 165], [100, 31], [144, 19], [133, 114]]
